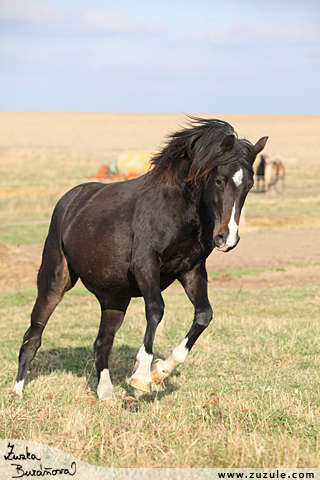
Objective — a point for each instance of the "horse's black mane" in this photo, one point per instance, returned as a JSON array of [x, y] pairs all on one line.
[[196, 150]]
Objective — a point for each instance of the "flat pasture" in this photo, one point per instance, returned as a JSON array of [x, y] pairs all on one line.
[[249, 392]]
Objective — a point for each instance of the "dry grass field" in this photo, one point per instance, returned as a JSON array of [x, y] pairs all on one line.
[[249, 393], [296, 137]]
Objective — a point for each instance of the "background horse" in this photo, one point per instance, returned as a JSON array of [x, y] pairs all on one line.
[[278, 173], [261, 173], [134, 238]]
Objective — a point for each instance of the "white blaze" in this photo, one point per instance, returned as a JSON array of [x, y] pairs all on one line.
[[232, 225], [233, 229], [237, 177]]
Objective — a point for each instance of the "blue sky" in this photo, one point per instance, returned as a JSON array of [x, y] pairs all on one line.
[[160, 56]]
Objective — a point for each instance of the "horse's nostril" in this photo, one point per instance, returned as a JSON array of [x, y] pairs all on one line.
[[219, 241]]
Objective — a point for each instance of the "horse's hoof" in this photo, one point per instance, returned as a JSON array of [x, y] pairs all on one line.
[[109, 397], [108, 401], [15, 396], [140, 384], [157, 374], [16, 393]]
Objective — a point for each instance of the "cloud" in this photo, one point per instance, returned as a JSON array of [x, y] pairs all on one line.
[[26, 10], [245, 34], [45, 17], [287, 5]]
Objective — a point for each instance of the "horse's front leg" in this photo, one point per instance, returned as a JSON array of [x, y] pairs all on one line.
[[196, 286], [147, 274]]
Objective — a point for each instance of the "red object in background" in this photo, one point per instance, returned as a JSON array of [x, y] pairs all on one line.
[[104, 172], [130, 164]]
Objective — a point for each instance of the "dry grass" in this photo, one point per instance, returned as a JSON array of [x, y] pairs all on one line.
[[247, 396], [296, 137]]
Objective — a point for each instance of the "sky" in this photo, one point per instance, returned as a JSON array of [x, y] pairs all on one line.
[[160, 56]]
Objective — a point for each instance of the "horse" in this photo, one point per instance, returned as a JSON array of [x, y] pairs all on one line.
[[278, 173], [261, 173], [134, 238]]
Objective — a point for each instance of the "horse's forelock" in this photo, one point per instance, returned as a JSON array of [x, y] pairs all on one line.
[[199, 145], [210, 157]]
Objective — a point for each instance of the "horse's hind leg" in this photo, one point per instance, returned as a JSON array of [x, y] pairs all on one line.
[[113, 310], [54, 279]]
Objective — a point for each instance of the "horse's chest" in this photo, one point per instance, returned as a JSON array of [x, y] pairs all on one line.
[[178, 259]]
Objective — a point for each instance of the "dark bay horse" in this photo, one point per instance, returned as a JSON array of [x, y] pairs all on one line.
[[261, 173], [134, 238]]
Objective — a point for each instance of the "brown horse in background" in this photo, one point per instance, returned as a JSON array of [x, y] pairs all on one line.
[[278, 173], [269, 174]]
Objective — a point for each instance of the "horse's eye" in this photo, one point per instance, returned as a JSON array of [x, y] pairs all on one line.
[[219, 182]]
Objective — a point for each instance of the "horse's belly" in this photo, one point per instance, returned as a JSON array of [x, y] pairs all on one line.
[[114, 281], [103, 266], [115, 277], [106, 265], [107, 279], [119, 288]]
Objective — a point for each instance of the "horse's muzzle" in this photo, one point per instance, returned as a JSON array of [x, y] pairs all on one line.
[[220, 243]]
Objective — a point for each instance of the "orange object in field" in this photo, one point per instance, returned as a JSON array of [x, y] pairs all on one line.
[[133, 163]]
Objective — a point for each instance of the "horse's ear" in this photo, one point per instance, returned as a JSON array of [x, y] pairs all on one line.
[[259, 146], [227, 144]]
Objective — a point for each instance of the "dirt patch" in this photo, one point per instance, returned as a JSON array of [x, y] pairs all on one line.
[[292, 252], [287, 277], [269, 249]]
